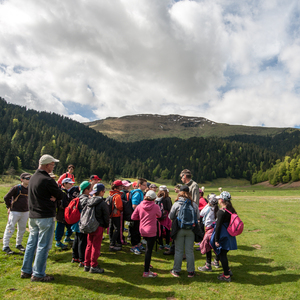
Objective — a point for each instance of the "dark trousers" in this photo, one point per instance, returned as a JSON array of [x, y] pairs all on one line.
[[224, 261], [135, 233], [148, 253], [114, 231], [79, 246], [59, 231], [168, 232]]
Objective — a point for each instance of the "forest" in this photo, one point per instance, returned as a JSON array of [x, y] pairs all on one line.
[[27, 134]]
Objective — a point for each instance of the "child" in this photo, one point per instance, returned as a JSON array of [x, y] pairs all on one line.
[[221, 240], [94, 239], [208, 214], [71, 192], [164, 221], [148, 212], [80, 241]]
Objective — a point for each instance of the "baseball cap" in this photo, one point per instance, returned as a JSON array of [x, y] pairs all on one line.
[[98, 187], [118, 183], [47, 159], [24, 175], [95, 177], [185, 172], [163, 188], [184, 188], [126, 183], [67, 180], [213, 199], [151, 194], [153, 185], [83, 186], [134, 184]]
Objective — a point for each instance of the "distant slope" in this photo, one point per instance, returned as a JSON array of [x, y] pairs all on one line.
[[140, 127]]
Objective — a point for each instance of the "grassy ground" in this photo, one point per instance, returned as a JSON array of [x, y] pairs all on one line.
[[266, 265]]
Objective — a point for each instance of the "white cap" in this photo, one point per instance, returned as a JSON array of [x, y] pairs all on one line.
[[67, 180], [151, 194], [47, 159]]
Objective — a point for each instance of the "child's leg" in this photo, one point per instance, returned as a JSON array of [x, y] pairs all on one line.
[[59, 231], [117, 226], [75, 246], [88, 251], [82, 243], [111, 232], [148, 253], [224, 261], [160, 239], [96, 246], [208, 257]]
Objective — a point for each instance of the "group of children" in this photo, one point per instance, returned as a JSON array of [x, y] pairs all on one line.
[[151, 219]]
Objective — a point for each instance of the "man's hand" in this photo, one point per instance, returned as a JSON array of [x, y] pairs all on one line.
[[52, 198]]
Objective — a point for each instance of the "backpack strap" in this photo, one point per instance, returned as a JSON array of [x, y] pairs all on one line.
[[228, 211], [19, 194]]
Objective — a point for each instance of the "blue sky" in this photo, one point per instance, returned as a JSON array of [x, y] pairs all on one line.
[[230, 61]]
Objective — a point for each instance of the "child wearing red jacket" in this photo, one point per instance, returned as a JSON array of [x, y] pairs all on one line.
[[148, 212]]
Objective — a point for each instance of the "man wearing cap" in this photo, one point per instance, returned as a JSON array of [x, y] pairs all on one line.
[[94, 179], [42, 193], [71, 192], [16, 201], [186, 178]]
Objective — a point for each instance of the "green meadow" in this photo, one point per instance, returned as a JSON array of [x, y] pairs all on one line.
[[265, 266]]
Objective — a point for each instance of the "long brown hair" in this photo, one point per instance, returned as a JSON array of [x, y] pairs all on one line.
[[184, 195], [163, 194]]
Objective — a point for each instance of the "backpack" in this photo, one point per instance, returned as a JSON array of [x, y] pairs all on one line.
[[161, 207], [72, 213], [19, 194], [110, 203], [236, 225], [88, 222], [127, 207], [186, 217]]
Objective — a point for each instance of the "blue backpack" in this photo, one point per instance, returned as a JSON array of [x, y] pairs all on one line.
[[187, 217]]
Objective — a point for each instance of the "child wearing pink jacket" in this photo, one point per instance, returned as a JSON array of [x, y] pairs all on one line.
[[148, 212]]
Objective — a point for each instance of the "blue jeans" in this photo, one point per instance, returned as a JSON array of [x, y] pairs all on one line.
[[40, 240], [59, 231]]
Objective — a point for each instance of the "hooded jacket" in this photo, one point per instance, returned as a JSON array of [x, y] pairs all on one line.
[[147, 212], [101, 210], [117, 202]]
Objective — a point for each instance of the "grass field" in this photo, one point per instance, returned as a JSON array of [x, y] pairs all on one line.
[[265, 266]]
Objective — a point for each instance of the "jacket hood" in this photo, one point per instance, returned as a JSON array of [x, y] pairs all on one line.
[[94, 201], [147, 205], [114, 192]]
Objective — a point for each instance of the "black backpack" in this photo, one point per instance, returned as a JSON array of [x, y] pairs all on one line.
[[110, 203], [161, 207], [127, 207]]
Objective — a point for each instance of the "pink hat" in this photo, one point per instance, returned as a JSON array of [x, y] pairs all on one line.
[[126, 183]]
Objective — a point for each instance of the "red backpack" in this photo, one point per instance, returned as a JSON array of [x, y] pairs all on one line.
[[72, 213], [236, 225]]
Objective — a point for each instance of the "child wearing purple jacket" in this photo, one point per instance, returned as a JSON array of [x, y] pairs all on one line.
[[148, 212]]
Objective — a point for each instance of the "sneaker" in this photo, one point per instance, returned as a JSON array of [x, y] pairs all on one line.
[[205, 268], [114, 249], [86, 269], [175, 274], [68, 240], [74, 260], [46, 278], [25, 275], [168, 252], [125, 229], [141, 248], [149, 274], [216, 264], [61, 246], [143, 241], [167, 247], [20, 247], [135, 250], [161, 247], [223, 278], [96, 270], [191, 274], [230, 273], [7, 250], [81, 264]]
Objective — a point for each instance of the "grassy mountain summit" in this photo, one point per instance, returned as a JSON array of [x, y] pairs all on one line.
[[146, 126]]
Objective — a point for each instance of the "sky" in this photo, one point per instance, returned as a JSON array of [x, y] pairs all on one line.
[[231, 61]]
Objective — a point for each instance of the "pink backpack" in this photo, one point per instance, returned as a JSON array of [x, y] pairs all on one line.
[[236, 225]]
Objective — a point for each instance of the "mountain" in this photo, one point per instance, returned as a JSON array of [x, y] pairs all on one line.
[[146, 126]]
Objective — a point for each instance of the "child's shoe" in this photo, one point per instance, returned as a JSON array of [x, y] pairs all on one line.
[[96, 270], [68, 240], [223, 278], [167, 247], [149, 274], [174, 273], [216, 264], [81, 264], [141, 247], [191, 274], [135, 250], [74, 260], [161, 247], [86, 268], [205, 268], [61, 246]]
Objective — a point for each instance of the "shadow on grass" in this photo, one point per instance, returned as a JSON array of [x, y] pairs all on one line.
[[98, 285]]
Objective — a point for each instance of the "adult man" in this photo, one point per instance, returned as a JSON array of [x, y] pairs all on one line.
[[136, 198], [42, 192], [186, 178], [16, 201]]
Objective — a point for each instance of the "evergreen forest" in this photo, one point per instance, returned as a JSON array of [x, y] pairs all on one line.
[[27, 134]]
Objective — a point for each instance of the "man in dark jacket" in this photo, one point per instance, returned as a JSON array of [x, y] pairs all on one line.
[[94, 239], [42, 193], [16, 201]]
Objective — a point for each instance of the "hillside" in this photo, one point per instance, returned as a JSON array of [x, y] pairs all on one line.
[[140, 127]]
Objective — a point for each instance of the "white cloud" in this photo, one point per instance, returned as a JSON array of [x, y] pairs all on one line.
[[123, 57]]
